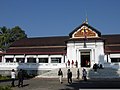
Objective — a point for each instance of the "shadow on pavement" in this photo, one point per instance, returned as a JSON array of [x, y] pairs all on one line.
[[24, 85], [93, 84]]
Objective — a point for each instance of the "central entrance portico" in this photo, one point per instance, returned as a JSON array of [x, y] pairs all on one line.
[[85, 46], [85, 57]]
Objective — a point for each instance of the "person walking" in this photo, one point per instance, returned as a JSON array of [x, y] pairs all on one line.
[[20, 78], [84, 72], [69, 76], [72, 63], [78, 74], [13, 75], [60, 74], [76, 64], [68, 63]]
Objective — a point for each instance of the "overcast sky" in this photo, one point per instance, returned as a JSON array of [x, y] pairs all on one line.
[[42, 18]]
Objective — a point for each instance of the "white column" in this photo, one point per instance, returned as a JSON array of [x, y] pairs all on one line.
[[14, 59], [37, 60], [79, 58], [109, 60], [49, 59], [62, 59], [76, 55], [25, 59], [92, 57], [3, 59]]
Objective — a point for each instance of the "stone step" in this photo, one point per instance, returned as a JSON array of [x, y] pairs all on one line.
[[104, 73], [101, 73]]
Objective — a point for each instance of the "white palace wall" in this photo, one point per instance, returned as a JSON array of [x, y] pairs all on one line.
[[5, 66]]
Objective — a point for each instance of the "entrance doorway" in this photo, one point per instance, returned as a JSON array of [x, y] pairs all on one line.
[[85, 59]]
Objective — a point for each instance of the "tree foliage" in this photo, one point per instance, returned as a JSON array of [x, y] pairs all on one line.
[[8, 36]]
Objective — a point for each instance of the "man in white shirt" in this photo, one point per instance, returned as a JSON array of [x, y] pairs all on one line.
[[60, 74], [13, 74]]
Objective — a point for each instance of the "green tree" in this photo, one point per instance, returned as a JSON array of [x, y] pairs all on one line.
[[4, 38], [8, 36], [17, 33]]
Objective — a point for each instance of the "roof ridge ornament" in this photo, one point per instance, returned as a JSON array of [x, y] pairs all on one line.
[[86, 20]]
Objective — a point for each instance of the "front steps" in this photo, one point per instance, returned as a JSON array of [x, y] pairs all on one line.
[[101, 73], [104, 73], [54, 73]]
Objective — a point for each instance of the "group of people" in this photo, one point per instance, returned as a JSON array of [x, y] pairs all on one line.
[[97, 66], [72, 63], [84, 74], [69, 75], [20, 78]]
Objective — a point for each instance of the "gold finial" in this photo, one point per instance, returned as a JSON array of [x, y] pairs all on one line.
[[86, 20]]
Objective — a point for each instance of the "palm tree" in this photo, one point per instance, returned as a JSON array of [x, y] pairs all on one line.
[[4, 38]]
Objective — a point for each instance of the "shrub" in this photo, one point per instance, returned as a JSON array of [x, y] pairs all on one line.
[[5, 87], [4, 77]]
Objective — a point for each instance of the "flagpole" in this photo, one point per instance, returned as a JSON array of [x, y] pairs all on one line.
[[85, 46]]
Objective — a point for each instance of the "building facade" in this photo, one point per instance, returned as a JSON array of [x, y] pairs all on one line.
[[84, 47]]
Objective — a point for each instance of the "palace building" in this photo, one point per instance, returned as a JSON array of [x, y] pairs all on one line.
[[84, 46]]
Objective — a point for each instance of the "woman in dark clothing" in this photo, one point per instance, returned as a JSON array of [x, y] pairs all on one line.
[[20, 78], [69, 75], [84, 74]]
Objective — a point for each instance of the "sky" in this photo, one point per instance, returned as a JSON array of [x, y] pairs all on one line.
[[43, 18]]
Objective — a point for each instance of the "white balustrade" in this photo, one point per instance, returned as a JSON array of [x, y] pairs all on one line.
[[9, 66]]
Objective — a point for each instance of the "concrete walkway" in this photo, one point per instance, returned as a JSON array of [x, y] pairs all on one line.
[[53, 84], [39, 84]]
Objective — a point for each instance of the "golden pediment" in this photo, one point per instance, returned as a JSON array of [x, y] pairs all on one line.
[[84, 33]]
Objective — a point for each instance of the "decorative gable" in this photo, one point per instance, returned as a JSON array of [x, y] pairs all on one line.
[[85, 31]]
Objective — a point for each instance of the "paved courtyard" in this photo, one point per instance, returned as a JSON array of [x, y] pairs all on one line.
[[53, 84]]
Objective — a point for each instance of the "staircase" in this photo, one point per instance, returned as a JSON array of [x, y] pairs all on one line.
[[101, 73], [104, 73]]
